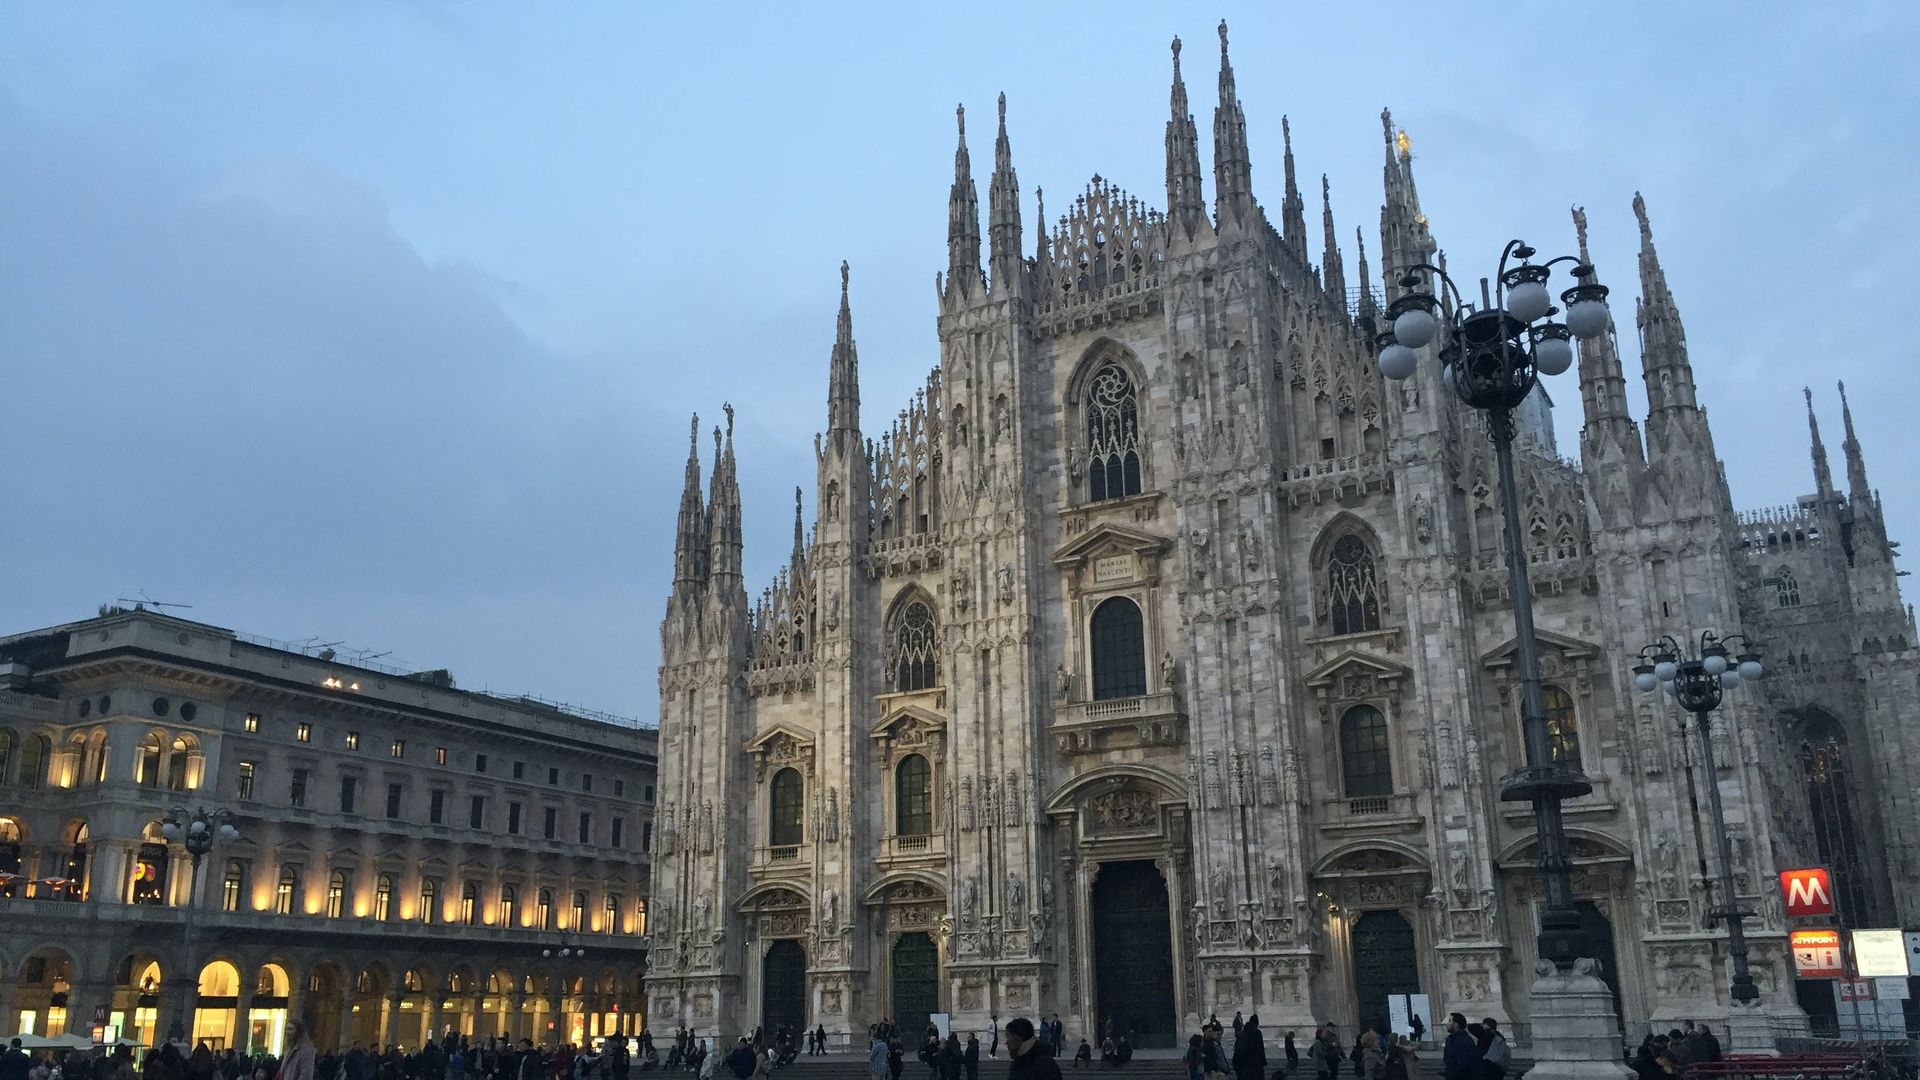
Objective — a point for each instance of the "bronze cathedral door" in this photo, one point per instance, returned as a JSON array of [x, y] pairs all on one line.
[[1133, 954], [783, 985]]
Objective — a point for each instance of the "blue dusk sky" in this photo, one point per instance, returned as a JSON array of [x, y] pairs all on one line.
[[381, 321]]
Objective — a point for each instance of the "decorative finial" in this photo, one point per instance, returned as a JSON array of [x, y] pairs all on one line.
[[728, 407], [1640, 212], [1286, 132], [1223, 39], [843, 279], [1404, 143], [960, 114], [796, 498], [1386, 125], [1003, 110], [1808, 391], [1176, 53], [1580, 230], [1326, 191]]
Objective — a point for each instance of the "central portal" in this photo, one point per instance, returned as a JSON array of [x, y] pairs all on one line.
[[783, 986], [1384, 964], [1133, 954], [916, 982]]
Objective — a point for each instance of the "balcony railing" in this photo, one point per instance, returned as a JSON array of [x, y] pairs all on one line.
[[912, 848], [1114, 723], [1379, 804], [1395, 811]]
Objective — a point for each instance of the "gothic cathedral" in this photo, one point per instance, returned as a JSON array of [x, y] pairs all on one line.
[[1157, 659]]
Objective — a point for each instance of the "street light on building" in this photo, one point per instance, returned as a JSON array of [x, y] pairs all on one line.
[[566, 948], [197, 830], [1491, 356], [1697, 683]]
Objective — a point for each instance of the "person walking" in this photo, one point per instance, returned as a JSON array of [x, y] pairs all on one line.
[[1195, 1059], [298, 1064], [1249, 1049], [1460, 1059], [971, 1059], [1292, 1055], [1029, 1058], [14, 1062], [1495, 1056]]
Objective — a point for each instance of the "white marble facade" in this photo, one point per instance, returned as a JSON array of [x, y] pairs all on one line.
[[926, 737]]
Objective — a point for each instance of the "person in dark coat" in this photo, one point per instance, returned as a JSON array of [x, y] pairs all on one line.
[[950, 1058], [14, 1062], [1293, 1054], [1029, 1057], [971, 1058], [1460, 1059], [1249, 1049]]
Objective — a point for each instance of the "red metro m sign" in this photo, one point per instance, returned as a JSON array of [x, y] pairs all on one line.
[[1807, 892]]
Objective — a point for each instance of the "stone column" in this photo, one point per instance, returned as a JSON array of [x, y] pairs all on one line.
[[516, 1019], [7, 1020], [478, 1012], [390, 1022], [554, 1016], [243, 1013], [82, 998], [429, 1020]]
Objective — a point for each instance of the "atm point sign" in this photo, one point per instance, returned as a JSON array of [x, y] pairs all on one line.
[[1807, 892]]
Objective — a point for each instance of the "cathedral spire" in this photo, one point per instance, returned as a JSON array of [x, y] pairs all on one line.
[[1663, 341], [1003, 213], [1859, 492], [1293, 211], [1184, 205], [963, 220], [843, 372], [1404, 238], [1232, 174], [1822, 472], [723, 515], [1333, 276], [1367, 307], [1603, 386], [690, 537], [799, 532]]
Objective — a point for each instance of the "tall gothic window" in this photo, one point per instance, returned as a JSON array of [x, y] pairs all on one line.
[[336, 893], [509, 898], [1353, 588], [1113, 435], [916, 664], [1563, 727], [283, 891], [383, 897], [1830, 799], [1786, 590], [1119, 650], [789, 796], [913, 796], [232, 884], [1366, 770]]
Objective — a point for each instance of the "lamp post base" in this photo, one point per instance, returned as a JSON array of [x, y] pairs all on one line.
[[1750, 1031], [1575, 1034]]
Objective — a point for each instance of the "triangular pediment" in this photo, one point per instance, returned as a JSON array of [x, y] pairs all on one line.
[[911, 715], [1352, 660], [1572, 648], [775, 731], [1108, 538]]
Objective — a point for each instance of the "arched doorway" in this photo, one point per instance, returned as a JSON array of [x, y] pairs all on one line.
[[215, 1005], [1384, 963], [1133, 952], [136, 999], [326, 996], [267, 1016], [1598, 931], [40, 995], [783, 984], [916, 981]]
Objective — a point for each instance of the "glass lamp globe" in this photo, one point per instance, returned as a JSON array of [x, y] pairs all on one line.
[[1398, 361], [1730, 678], [1413, 328], [1553, 355], [1714, 662], [170, 831], [1643, 678], [228, 832], [1750, 668], [199, 826], [546, 952], [1587, 318], [1665, 670], [1670, 687], [1528, 301]]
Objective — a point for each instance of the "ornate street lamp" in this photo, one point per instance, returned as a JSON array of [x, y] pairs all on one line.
[[1491, 357], [567, 947], [1697, 683], [197, 830]]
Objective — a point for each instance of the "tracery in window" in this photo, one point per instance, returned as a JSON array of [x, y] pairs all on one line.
[[1786, 590], [1563, 726], [1353, 587], [1113, 435], [915, 661]]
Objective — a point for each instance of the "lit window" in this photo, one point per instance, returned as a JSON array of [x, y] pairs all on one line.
[[336, 893], [303, 732], [640, 916], [611, 924], [469, 901], [383, 897], [284, 890], [429, 899], [439, 755], [353, 740], [545, 910], [579, 912], [1563, 727], [398, 749], [253, 723], [508, 897], [232, 885], [246, 780]]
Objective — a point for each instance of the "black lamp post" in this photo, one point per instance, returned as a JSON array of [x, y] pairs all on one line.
[[196, 830], [1697, 683], [1491, 358]]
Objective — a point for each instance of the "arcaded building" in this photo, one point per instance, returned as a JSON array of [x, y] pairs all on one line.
[[411, 858], [1156, 659]]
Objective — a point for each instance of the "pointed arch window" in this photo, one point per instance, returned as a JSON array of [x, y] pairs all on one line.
[[916, 642], [1119, 650], [1113, 435], [788, 795], [913, 796], [1366, 767], [1786, 589], [1353, 587], [1563, 726]]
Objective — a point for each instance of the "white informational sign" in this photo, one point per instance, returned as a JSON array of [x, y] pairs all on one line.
[[1402, 1008], [942, 1021], [1879, 954], [1891, 989]]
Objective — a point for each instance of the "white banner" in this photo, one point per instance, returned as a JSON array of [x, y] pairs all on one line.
[[1879, 954]]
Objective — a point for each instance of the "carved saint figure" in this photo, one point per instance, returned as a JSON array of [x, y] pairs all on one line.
[[831, 903], [702, 911], [1222, 895], [1062, 683], [832, 828], [1016, 891], [1169, 671], [1005, 575], [1046, 892], [1276, 884], [970, 899]]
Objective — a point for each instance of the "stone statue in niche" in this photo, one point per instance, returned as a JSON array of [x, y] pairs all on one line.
[[1422, 520], [1045, 888], [961, 583], [833, 611], [832, 829], [1062, 684], [1076, 464], [1666, 862], [702, 911], [1016, 891], [833, 502], [1169, 671], [1276, 885], [970, 900], [1222, 895], [1249, 546], [831, 905], [1005, 577]]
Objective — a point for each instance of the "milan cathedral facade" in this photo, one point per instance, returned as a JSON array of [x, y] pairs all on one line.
[[1157, 659]]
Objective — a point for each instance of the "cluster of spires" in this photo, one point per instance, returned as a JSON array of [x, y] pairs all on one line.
[[708, 542]]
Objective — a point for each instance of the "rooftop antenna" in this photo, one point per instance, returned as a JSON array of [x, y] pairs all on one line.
[[146, 601]]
